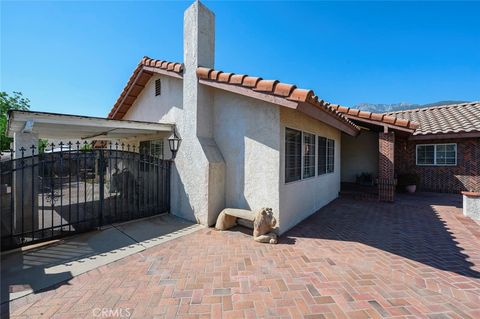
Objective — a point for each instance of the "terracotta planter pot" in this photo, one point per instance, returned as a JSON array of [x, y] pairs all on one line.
[[411, 188]]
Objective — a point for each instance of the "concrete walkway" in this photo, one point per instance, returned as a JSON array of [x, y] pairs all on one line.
[[27, 271]]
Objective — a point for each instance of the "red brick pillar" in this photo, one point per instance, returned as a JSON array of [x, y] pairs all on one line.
[[386, 180]]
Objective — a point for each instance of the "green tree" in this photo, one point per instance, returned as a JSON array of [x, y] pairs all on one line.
[[15, 101]]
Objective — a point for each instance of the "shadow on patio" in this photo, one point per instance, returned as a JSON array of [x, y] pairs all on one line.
[[410, 228], [50, 266]]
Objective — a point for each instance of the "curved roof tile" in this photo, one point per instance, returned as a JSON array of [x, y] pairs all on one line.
[[120, 105], [272, 87], [376, 117], [443, 119]]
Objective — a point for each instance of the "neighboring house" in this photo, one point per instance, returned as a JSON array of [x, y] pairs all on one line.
[[441, 144], [445, 149]]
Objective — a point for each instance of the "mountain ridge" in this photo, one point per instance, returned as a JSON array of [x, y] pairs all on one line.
[[395, 107]]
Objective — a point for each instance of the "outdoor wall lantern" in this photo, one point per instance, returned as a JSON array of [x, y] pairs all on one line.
[[174, 143]]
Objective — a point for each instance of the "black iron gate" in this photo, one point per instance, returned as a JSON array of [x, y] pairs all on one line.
[[71, 188]]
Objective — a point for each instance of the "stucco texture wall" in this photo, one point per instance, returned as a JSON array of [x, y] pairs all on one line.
[[302, 198], [359, 154], [247, 132], [163, 108]]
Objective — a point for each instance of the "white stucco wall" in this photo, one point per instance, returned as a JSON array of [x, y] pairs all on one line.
[[247, 133], [360, 155], [249, 137], [163, 108], [300, 199]]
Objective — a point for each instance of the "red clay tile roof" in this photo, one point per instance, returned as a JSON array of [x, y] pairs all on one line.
[[142, 73], [455, 118], [274, 88], [359, 115]]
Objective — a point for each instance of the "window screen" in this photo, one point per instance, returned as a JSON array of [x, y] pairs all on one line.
[[308, 155], [437, 154], [330, 155], [322, 155], [152, 148], [293, 155]]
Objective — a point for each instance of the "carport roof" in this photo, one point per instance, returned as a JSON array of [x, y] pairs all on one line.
[[61, 126]]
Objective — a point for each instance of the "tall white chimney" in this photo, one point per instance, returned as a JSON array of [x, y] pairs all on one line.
[[198, 178], [198, 50]]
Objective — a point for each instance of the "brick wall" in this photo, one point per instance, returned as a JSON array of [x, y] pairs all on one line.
[[449, 179], [386, 148]]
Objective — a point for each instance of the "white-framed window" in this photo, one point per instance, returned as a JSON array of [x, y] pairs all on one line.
[[436, 154], [293, 155], [326, 155], [308, 155], [152, 148]]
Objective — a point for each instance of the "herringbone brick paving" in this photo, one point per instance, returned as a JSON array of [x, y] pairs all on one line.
[[417, 258]]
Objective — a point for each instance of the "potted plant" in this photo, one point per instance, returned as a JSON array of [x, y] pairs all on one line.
[[409, 182]]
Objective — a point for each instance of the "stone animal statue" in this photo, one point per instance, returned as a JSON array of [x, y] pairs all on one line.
[[263, 223], [264, 226]]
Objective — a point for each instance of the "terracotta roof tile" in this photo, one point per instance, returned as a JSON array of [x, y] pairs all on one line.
[[266, 85], [175, 68], [237, 79], [284, 89], [301, 95], [251, 81], [454, 118], [357, 114], [203, 73], [273, 87], [214, 74], [224, 77]]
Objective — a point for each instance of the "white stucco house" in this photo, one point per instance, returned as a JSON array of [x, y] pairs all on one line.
[[246, 142]]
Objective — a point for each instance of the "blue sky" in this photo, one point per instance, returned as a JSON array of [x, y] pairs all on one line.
[[75, 57]]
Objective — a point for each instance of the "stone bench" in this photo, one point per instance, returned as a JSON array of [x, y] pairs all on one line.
[[228, 218], [471, 204], [262, 222]]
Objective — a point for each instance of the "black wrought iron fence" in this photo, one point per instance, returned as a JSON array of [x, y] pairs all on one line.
[[70, 188]]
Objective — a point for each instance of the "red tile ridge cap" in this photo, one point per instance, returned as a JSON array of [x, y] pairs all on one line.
[[273, 87], [145, 62], [377, 117], [164, 65]]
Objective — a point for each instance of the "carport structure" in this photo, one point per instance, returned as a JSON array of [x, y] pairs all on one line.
[[77, 183], [26, 127]]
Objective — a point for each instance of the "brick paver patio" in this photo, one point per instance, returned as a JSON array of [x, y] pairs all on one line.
[[417, 258]]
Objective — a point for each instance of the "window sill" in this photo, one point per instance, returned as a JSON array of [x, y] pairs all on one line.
[[436, 165], [307, 178]]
